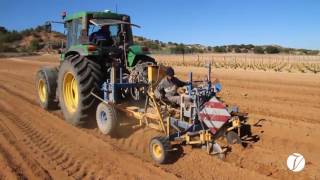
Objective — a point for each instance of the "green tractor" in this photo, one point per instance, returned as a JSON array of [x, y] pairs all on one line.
[[87, 61]]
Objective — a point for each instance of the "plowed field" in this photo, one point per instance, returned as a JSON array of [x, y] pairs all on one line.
[[284, 111]]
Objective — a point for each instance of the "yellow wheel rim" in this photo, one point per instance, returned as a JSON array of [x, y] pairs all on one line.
[[157, 150], [70, 92], [42, 90]]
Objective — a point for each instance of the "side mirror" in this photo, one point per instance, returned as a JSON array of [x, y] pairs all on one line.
[[47, 26]]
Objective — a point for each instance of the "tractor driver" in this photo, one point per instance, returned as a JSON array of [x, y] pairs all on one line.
[[168, 87], [102, 34]]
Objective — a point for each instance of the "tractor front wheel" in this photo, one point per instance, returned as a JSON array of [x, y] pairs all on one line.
[[106, 116], [78, 77]]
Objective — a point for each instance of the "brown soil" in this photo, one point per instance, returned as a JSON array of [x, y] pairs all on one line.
[[35, 144]]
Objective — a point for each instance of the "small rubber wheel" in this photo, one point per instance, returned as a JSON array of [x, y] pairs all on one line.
[[159, 149], [106, 119]]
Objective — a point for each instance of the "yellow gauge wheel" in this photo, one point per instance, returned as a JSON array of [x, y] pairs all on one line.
[[157, 150], [42, 91], [70, 92]]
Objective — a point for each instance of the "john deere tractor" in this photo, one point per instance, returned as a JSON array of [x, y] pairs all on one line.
[[86, 63]]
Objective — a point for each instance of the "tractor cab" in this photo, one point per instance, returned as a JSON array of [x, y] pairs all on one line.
[[112, 32], [83, 25], [105, 35]]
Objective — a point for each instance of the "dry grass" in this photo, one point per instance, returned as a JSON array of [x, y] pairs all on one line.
[[277, 63]]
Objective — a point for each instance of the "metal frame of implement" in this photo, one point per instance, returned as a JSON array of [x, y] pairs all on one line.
[[157, 121]]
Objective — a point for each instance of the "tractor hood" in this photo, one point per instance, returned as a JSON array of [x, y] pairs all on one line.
[[135, 50]]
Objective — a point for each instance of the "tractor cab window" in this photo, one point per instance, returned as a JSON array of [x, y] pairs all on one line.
[[114, 30], [92, 28], [68, 27], [110, 30], [102, 35], [78, 28], [74, 29]]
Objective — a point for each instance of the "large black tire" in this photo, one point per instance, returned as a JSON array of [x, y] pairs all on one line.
[[107, 121], [46, 85], [159, 148], [76, 101]]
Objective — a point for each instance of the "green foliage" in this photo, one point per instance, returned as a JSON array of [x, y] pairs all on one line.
[[183, 49], [313, 52], [220, 49], [34, 45], [237, 50], [246, 46], [179, 49], [244, 51], [3, 29], [152, 45], [40, 28], [163, 45], [10, 36], [6, 48], [27, 32], [272, 50], [258, 50], [308, 52], [286, 50]]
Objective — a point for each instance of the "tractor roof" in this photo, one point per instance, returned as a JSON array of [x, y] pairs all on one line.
[[96, 15]]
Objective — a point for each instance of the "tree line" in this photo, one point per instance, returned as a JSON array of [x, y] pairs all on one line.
[[180, 48]]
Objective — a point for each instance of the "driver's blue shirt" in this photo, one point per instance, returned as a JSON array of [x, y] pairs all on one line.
[[99, 35]]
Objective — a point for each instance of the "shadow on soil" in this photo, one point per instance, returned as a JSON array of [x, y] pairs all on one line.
[[248, 139], [246, 135], [176, 154]]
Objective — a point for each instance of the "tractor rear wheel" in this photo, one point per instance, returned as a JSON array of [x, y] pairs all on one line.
[[159, 148], [46, 85], [78, 77]]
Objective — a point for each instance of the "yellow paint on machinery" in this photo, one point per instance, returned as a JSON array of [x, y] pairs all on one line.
[[155, 74]]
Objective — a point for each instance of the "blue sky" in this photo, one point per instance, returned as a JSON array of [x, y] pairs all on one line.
[[290, 23]]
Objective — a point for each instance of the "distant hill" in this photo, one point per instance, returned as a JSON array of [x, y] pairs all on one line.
[[37, 40], [29, 40]]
